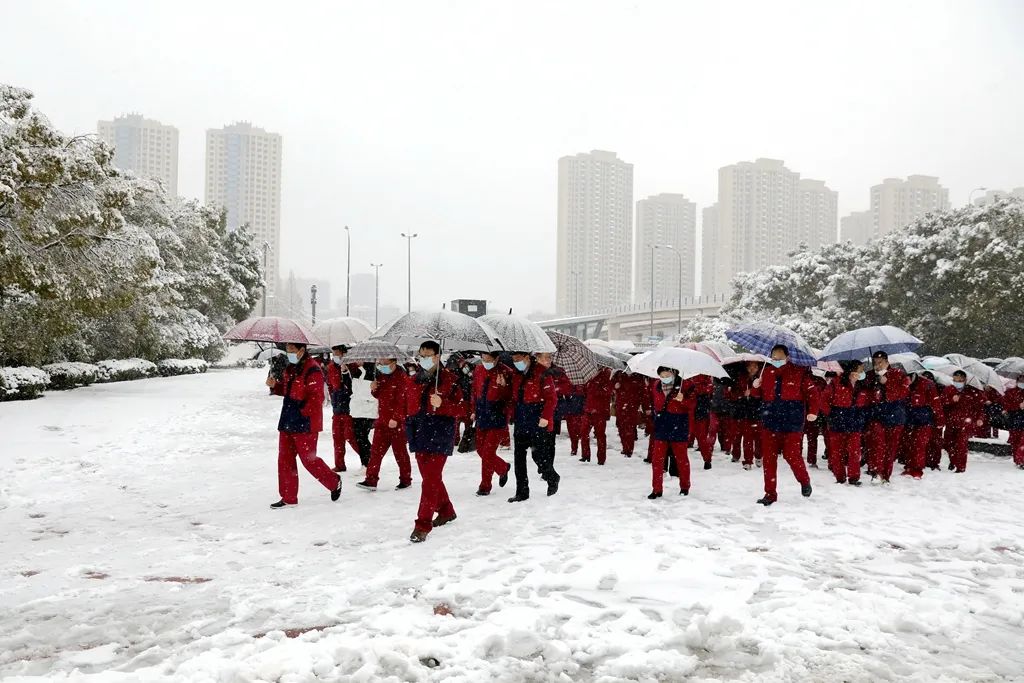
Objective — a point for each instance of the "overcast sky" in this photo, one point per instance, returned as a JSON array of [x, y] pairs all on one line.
[[447, 118]]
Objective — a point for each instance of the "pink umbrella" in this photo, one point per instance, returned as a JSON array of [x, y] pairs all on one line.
[[716, 350], [829, 366], [273, 330]]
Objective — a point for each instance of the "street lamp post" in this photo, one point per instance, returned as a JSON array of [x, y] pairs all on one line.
[[679, 302], [266, 248], [970, 196], [312, 301], [409, 238], [653, 247], [348, 271], [376, 302]]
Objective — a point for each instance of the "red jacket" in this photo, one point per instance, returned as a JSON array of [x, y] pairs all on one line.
[[533, 387], [599, 396], [966, 411], [841, 394], [302, 386], [659, 399], [563, 387], [896, 387], [1012, 400], [924, 393], [420, 388], [629, 393], [495, 390], [797, 385], [391, 396]]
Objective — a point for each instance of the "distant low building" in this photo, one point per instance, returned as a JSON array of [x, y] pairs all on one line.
[[474, 308]]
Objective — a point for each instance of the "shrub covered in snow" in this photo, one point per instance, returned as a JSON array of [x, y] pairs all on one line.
[[71, 375], [174, 366], [123, 370], [18, 384]]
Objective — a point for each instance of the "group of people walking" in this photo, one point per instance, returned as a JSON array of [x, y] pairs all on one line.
[[870, 418]]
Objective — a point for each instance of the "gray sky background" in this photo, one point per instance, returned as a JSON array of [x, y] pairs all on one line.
[[447, 118]]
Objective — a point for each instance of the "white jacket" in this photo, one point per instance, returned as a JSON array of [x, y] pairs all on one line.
[[363, 403]]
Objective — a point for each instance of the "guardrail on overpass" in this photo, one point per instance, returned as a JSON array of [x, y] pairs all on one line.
[[633, 321]]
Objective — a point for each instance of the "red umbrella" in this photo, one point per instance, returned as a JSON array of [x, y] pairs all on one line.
[[274, 330]]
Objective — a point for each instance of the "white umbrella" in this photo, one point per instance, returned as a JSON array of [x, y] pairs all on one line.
[[865, 341], [688, 362], [454, 331], [1012, 367], [347, 331], [976, 369]]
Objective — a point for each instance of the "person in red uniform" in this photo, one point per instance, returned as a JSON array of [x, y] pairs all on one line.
[[339, 383], [629, 392], [845, 403], [813, 430], [786, 391], [533, 390], [746, 416], [701, 388], [492, 391], [964, 406], [596, 413], [300, 424], [389, 388], [433, 403], [925, 414], [890, 388], [1013, 409], [672, 409]]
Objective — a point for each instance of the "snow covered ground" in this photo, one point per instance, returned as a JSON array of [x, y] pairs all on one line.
[[137, 545]]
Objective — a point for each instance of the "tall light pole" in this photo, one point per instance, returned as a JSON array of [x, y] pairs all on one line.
[[348, 271], [653, 247], [409, 238], [376, 302], [266, 248], [970, 196], [312, 301], [679, 255]]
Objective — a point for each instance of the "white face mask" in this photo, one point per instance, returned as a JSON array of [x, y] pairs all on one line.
[[488, 366], [1020, 385], [338, 359]]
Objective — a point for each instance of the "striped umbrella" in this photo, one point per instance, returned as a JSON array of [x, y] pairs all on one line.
[[574, 357], [273, 330]]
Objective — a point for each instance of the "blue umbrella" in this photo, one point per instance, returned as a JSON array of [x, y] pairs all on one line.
[[761, 337], [858, 344]]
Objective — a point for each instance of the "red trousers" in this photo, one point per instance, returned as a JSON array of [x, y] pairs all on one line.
[[934, 458], [385, 437], [433, 495], [746, 440], [705, 438], [487, 442], [574, 425], [722, 426], [1017, 446], [790, 444], [918, 439], [659, 450], [956, 439], [626, 425], [599, 427], [885, 442], [812, 430], [844, 455], [342, 431], [303, 446]]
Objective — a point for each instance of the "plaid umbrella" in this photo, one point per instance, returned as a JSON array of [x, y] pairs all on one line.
[[575, 358], [274, 330], [760, 337], [370, 351]]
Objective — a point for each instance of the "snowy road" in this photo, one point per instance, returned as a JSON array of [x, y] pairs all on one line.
[[137, 545]]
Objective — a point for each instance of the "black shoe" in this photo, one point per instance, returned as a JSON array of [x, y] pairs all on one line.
[[519, 498], [855, 482], [840, 481], [281, 504], [584, 459], [653, 495], [805, 490], [951, 467], [403, 485], [647, 460], [553, 487], [735, 459], [481, 492], [502, 480], [418, 537], [684, 492], [441, 521], [367, 485], [707, 465], [339, 469], [766, 501], [336, 493]]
